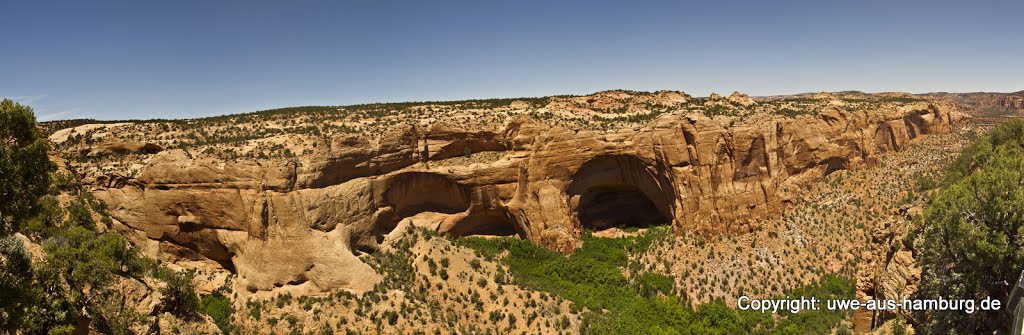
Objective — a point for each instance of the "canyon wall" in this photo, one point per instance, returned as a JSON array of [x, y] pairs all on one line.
[[300, 223]]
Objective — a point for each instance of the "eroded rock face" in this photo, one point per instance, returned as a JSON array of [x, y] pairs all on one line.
[[887, 271], [121, 148], [299, 223]]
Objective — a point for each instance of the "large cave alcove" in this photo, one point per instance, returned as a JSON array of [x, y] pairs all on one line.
[[834, 164], [620, 191], [915, 125], [885, 138], [416, 192], [410, 194], [487, 223]]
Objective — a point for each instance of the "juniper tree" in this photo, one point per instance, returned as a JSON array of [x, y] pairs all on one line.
[[971, 246], [24, 165]]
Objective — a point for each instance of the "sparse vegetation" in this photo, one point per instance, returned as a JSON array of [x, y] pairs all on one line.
[[592, 279]]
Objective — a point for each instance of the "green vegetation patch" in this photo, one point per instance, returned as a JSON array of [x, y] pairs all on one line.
[[648, 303], [791, 112], [218, 307]]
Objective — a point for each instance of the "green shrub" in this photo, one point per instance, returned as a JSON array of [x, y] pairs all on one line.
[[218, 307], [651, 284], [179, 295], [255, 309]]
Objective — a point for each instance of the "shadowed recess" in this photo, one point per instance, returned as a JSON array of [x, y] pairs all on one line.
[[412, 193], [619, 190]]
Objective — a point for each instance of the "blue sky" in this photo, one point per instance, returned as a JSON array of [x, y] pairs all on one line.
[[179, 59]]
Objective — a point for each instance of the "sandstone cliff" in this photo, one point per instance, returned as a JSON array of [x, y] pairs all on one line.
[[299, 222]]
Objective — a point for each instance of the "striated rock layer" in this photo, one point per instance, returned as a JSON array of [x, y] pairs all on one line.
[[299, 223]]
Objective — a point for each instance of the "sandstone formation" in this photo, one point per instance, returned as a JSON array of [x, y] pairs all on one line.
[[122, 148], [887, 270], [299, 223]]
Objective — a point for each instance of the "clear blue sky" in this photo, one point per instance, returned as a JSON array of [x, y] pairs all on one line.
[[177, 59]]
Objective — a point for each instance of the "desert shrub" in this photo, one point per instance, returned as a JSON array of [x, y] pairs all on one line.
[[114, 315], [489, 248], [218, 307], [255, 309], [651, 284], [179, 295]]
